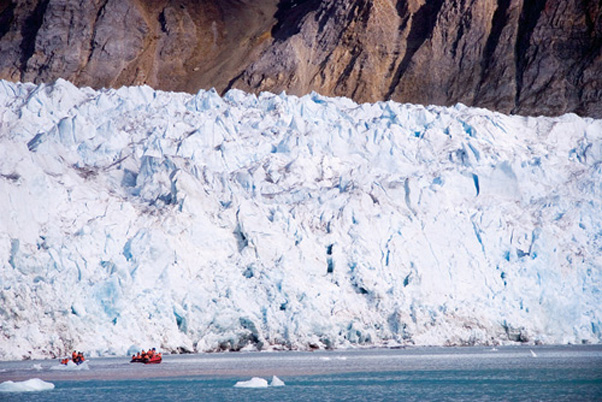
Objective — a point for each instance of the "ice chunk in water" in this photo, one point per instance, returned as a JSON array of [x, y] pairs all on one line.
[[33, 385], [276, 382], [254, 382]]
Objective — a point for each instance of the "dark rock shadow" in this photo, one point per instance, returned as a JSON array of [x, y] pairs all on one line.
[[289, 15]]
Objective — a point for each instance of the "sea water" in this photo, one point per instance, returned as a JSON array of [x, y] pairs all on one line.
[[533, 373]]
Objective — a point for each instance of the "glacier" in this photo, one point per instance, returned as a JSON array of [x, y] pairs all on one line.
[[135, 218]]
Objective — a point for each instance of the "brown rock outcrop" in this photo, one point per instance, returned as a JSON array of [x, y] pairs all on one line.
[[515, 56], [180, 45]]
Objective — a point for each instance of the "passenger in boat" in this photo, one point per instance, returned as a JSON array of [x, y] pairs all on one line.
[[73, 355], [150, 356]]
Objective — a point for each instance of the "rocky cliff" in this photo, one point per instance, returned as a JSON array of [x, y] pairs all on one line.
[[515, 56]]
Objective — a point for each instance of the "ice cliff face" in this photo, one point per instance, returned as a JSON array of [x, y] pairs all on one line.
[[134, 217]]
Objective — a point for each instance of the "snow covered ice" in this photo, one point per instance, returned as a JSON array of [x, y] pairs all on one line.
[[135, 218]]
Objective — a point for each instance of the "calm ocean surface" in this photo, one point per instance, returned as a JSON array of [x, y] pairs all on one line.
[[550, 373]]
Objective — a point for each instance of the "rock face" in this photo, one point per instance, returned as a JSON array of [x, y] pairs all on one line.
[[515, 56]]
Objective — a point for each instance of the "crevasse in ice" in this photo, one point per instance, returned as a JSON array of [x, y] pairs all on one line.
[[135, 218]]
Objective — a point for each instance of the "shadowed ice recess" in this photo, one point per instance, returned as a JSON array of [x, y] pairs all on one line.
[[135, 218]]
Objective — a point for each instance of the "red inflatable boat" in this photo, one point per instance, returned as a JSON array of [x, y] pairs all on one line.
[[155, 359]]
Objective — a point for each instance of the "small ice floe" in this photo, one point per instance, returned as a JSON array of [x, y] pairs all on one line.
[[70, 366], [494, 349], [37, 367], [325, 359], [254, 382], [276, 382], [257, 382], [532, 353], [342, 358], [33, 385]]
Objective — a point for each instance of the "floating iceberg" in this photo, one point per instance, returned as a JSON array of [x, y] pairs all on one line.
[[33, 385], [254, 382], [276, 382], [206, 223], [257, 382]]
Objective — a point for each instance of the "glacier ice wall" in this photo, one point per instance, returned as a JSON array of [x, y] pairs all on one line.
[[136, 218]]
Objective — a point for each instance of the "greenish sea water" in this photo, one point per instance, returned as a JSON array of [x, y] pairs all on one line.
[[525, 373]]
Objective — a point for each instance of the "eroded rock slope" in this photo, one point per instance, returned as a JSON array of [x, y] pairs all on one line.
[[514, 56]]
